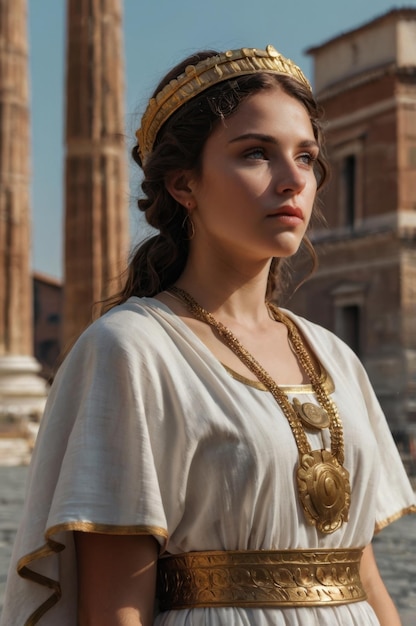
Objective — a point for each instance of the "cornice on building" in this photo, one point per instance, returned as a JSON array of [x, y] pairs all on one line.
[[47, 279], [401, 224], [403, 13], [383, 46], [363, 78]]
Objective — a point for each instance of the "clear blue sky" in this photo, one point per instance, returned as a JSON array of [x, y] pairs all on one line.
[[158, 34]]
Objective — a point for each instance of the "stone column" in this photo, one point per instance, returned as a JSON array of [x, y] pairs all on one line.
[[22, 391], [96, 218]]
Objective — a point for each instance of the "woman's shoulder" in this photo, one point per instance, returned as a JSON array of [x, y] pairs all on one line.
[[125, 326], [135, 314]]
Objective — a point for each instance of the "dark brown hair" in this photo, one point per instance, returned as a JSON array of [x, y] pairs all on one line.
[[159, 261]]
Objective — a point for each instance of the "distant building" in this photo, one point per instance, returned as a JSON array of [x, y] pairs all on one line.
[[365, 289], [47, 322]]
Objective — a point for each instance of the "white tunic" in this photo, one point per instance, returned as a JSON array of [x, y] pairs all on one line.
[[146, 432]]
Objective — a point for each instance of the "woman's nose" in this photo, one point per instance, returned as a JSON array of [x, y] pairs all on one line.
[[289, 178]]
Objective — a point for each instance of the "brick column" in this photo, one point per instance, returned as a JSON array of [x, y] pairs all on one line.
[[22, 392], [96, 218]]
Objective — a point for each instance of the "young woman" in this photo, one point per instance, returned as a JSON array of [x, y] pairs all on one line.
[[196, 429]]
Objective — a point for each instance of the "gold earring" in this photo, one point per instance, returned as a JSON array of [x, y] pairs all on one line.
[[188, 225]]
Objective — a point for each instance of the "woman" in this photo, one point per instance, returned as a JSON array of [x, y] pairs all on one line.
[[196, 418]]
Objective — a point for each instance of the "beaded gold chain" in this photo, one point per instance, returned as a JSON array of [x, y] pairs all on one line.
[[323, 482]]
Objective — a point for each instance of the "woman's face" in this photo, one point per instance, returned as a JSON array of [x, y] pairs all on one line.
[[256, 189]]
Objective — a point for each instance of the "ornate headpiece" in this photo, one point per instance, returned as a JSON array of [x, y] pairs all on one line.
[[205, 74]]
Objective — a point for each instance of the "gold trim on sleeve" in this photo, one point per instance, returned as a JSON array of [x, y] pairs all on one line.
[[52, 547], [108, 529], [393, 518]]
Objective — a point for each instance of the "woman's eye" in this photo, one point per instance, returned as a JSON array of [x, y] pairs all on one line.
[[255, 154], [307, 158]]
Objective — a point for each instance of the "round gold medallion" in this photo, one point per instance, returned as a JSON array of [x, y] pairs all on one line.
[[324, 490], [311, 415]]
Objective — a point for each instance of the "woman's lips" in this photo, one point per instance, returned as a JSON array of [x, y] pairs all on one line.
[[289, 215]]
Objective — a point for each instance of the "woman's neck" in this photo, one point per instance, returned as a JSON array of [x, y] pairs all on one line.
[[228, 291]]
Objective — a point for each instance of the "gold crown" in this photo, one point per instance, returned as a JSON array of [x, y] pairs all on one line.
[[205, 74]]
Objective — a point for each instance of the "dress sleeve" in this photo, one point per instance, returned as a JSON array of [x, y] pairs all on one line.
[[93, 469], [395, 496]]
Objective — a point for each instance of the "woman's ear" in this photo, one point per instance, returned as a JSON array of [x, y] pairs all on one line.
[[179, 184]]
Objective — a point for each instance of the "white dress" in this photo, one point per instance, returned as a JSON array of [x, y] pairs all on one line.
[[146, 432]]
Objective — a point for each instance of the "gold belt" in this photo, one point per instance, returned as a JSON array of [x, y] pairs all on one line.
[[259, 578]]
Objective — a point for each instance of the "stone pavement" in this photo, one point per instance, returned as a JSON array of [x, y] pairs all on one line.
[[395, 546], [395, 550]]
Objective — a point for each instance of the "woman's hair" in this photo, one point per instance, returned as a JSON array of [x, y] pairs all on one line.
[[159, 261]]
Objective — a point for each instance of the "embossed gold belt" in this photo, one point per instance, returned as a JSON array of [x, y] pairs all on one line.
[[259, 578]]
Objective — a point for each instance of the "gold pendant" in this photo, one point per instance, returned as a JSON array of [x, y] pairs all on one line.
[[324, 490], [311, 415]]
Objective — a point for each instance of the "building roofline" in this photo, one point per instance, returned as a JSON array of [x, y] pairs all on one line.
[[45, 278], [404, 12]]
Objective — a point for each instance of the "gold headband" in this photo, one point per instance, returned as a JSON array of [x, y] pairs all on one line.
[[205, 74]]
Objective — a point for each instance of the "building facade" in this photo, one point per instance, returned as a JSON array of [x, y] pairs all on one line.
[[47, 323], [365, 288]]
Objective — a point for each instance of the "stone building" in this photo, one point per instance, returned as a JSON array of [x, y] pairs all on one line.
[[47, 323], [365, 288]]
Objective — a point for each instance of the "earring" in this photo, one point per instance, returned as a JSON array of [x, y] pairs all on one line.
[[188, 225]]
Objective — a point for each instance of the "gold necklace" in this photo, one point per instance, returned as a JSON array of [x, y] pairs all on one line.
[[322, 481]]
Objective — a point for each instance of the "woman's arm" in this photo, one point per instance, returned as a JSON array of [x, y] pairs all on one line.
[[377, 593], [116, 579]]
